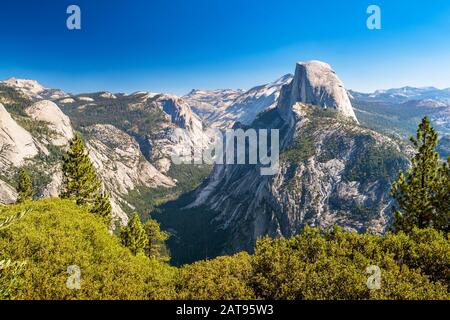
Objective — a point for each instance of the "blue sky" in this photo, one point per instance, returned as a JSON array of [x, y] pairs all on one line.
[[174, 46]]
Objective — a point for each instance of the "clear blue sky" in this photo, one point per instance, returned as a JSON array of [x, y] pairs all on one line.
[[174, 46]]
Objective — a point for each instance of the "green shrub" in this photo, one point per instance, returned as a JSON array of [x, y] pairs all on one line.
[[40, 240], [223, 278], [57, 234], [332, 265]]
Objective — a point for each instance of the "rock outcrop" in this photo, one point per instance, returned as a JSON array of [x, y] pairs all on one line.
[[316, 83], [58, 123], [120, 164], [8, 194], [223, 108], [16, 144], [34, 90]]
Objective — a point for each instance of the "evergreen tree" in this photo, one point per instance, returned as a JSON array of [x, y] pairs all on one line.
[[156, 246], [102, 207], [80, 178], [81, 182], [133, 236], [419, 190], [24, 189], [442, 201]]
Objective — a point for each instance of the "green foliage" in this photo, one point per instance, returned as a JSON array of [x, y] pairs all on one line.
[[36, 249], [80, 178], [133, 236], [302, 150], [40, 168], [223, 278], [56, 234], [303, 147], [326, 265], [333, 147], [24, 189], [14, 101], [188, 177], [10, 219], [320, 112], [397, 119], [37, 128], [332, 265], [10, 271], [10, 277], [145, 199], [371, 162], [422, 192], [143, 120], [442, 199], [156, 247], [81, 182], [102, 207]]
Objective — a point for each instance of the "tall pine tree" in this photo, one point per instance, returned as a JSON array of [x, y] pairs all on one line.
[[156, 246], [81, 182], [133, 236], [418, 192], [25, 188]]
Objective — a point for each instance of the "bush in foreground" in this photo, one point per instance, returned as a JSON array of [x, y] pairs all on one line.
[[223, 278], [56, 234], [332, 265], [40, 240]]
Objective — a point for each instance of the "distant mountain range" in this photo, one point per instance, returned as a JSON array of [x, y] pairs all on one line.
[[405, 94], [222, 108], [398, 111]]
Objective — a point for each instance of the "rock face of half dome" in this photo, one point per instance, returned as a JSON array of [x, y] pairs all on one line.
[[316, 83]]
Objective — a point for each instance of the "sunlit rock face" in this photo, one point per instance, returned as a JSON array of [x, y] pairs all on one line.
[[316, 83], [16, 144], [48, 112]]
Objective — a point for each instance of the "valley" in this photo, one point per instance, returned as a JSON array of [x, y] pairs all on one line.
[[340, 152]]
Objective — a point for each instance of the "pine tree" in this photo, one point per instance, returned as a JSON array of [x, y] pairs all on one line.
[[156, 246], [102, 207], [24, 189], [80, 178], [81, 182], [133, 236], [418, 191]]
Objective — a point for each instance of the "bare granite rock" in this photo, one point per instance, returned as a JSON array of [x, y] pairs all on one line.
[[48, 112], [16, 144]]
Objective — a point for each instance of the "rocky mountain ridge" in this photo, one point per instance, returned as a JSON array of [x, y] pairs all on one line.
[[129, 153], [223, 108], [398, 111], [33, 89], [331, 171]]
